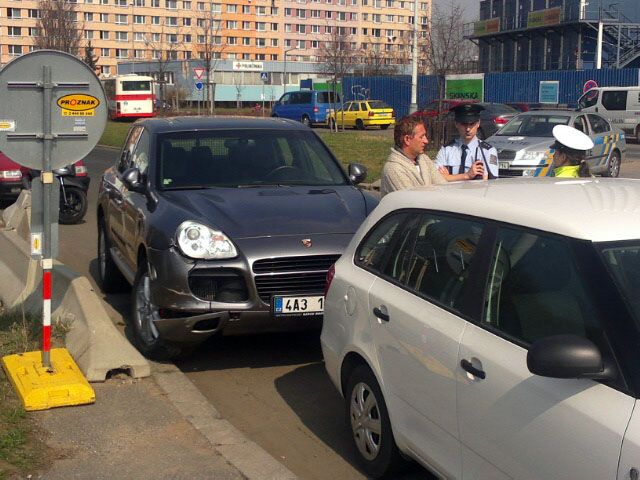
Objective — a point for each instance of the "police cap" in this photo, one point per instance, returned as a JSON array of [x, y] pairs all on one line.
[[467, 112], [572, 138]]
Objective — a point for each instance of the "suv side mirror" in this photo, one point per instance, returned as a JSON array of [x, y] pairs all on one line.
[[357, 173], [131, 177], [566, 356]]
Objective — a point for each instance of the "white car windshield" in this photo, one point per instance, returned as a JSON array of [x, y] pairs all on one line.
[[533, 125]]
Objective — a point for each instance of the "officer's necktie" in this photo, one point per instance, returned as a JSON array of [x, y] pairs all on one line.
[[463, 166]]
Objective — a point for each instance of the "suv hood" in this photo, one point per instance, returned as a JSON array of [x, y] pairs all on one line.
[[273, 211]]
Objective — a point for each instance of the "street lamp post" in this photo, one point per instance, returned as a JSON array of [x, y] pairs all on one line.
[[284, 73], [133, 46], [414, 61]]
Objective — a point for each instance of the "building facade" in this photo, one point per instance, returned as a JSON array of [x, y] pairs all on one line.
[[262, 30], [519, 35]]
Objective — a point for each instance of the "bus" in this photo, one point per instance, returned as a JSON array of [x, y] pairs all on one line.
[[130, 96]]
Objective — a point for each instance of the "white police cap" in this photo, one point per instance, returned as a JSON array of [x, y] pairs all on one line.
[[572, 137]]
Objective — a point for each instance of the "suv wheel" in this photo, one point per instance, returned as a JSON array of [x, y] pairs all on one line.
[[613, 168], [145, 313], [305, 121], [370, 426], [111, 279]]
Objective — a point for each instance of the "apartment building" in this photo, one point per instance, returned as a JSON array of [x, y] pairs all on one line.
[[144, 30]]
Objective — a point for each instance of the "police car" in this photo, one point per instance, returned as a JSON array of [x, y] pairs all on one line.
[[524, 144]]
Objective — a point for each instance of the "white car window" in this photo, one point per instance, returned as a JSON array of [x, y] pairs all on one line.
[[536, 291], [374, 249]]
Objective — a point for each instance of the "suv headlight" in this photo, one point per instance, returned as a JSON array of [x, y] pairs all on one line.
[[533, 157], [199, 241]]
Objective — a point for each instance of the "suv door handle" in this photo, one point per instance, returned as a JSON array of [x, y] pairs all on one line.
[[467, 366], [381, 313]]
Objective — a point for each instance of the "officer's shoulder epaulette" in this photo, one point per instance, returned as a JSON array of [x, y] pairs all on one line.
[[451, 143], [484, 145]]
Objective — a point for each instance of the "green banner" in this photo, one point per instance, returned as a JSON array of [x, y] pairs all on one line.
[[544, 18], [465, 89], [486, 27]]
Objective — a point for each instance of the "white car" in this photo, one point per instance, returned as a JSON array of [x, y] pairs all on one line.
[[491, 330]]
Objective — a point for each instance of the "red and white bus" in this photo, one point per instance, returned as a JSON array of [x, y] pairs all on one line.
[[130, 96]]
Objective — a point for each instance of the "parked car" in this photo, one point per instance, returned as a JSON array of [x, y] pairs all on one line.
[[309, 107], [619, 105], [437, 108], [490, 330], [361, 114], [223, 224], [524, 144], [14, 177]]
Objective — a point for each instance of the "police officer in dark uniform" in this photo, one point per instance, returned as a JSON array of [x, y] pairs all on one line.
[[467, 157]]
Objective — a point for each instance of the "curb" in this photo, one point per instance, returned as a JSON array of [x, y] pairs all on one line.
[[247, 456], [93, 341]]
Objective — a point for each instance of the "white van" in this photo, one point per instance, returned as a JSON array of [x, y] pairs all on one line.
[[620, 105]]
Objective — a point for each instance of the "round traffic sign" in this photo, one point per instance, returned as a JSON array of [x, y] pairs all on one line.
[[588, 85], [47, 94], [199, 85]]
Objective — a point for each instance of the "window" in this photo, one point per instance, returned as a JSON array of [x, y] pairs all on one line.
[[15, 50], [232, 8], [261, 26], [614, 99], [581, 124], [598, 124], [187, 38], [232, 40], [138, 19], [246, 25], [375, 248], [105, 52], [536, 291], [261, 11], [186, 5], [34, 31], [287, 12], [138, 54], [172, 38], [246, 9], [155, 20], [155, 37], [201, 6], [104, 35], [122, 36], [14, 13], [232, 24], [301, 44], [104, 18], [171, 4], [139, 3], [187, 54], [15, 31], [261, 42], [172, 21], [34, 13], [274, 43], [302, 13], [121, 19], [186, 21], [88, 17], [138, 37], [315, 28], [122, 53], [246, 41], [300, 28], [105, 69], [155, 3]]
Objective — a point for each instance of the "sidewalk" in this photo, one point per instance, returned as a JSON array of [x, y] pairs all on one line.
[[160, 427]]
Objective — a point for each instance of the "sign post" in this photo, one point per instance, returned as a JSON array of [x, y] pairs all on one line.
[[264, 76], [54, 118]]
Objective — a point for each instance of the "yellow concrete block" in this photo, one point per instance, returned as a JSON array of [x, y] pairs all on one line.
[[40, 388]]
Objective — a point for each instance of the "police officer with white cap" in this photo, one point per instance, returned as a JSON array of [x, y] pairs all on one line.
[[570, 152], [467, 157]]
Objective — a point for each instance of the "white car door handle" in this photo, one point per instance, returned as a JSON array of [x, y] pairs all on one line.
[[381, 313], [467, 366]]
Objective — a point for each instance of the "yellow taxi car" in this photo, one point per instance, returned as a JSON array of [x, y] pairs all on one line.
[[364, 113]]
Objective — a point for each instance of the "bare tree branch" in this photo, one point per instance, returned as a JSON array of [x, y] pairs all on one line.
[[58, 27]]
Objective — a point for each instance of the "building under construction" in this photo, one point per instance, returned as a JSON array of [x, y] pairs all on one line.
[[519, 35]]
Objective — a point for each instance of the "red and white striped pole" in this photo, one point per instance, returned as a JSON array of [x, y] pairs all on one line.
[[47, 281]]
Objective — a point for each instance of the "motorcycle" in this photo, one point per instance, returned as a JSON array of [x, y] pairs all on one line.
[[73, 195]]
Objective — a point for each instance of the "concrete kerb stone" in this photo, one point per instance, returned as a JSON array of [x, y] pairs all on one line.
[[92, 340]]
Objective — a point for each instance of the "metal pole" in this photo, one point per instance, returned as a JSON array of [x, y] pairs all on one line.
[[284, 75], [414, 62], [599, 46], [618, 51], [46, 177]]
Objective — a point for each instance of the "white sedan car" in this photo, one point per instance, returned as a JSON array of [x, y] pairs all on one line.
[[491, 330]]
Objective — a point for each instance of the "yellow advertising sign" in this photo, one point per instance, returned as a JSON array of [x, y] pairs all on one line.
[[486, 27], [544, 18], [78, 105]]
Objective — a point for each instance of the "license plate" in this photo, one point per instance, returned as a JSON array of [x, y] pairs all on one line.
[[504, 165], [298, 305]]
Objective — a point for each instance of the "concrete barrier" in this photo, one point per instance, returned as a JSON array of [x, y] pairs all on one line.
[[93, 340]]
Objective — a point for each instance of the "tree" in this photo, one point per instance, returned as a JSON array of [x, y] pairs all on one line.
[[57, 27], [164, 47], [210, 52], [89, 58], [337, 57], [376, 63], [447, 51]]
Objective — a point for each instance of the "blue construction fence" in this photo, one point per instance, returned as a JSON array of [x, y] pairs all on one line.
[[498, 87]]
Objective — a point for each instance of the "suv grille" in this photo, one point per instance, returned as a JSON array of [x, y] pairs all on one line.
[[505, 155], [292, 275]]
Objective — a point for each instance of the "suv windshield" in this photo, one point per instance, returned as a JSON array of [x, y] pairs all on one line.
[[589, 99], [533, 125], [232, 158], [623, 261]]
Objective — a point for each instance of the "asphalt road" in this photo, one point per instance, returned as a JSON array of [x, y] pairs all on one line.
[[271, 387]]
